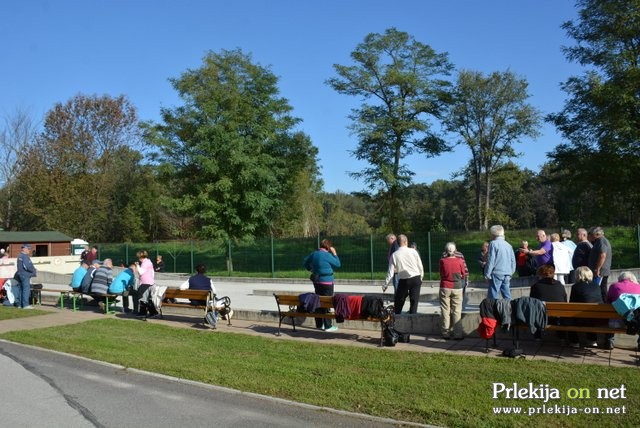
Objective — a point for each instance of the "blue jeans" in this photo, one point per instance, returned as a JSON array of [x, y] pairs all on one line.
[[24, 291], [499, 284]]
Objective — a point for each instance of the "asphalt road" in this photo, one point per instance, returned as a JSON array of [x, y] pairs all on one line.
[[40, 388]]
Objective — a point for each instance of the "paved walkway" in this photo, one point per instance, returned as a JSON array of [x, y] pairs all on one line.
[[626, 356]]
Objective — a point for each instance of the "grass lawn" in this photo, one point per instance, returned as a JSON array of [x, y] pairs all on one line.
[[8, 312], [439, 389]]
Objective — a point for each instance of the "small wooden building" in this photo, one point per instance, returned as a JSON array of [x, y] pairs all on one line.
[[43, 244]]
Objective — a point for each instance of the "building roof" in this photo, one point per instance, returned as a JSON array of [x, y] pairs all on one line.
[[44, 236]]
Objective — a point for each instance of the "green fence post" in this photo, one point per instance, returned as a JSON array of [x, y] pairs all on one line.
[[429, 249], [126, 253], [229, 259], [191, 251], [638, 240], [273, 265], [371, 253]]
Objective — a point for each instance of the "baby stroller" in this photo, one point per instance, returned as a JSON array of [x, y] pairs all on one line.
[[221, 308]]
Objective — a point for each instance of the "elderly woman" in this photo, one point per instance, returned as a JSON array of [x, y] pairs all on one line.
[[627, 284], [452, 274], [547, 288], [585, 291]]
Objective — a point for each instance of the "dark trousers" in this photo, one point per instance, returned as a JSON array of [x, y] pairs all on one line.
[[604, 289], [146, 305], [323, 290], [408, 287]]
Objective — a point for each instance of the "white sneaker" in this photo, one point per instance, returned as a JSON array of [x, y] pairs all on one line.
[[332, 328], [28, 307]]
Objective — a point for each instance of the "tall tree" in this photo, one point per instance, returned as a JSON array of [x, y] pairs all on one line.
[[490, 114], [77, 176], [229, 154], [601, 117], [402, 84], [17, 135]]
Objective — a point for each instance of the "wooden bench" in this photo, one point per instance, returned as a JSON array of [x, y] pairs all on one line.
[[292, 302], [110, 301], [171, 294], [599, 311], [561, 316]]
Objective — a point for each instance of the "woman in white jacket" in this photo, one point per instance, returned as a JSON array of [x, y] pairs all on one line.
[[561, 257]]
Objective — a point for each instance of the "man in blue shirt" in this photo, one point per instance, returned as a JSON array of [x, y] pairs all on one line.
[[501, 264], [125, 284], [78, 276]]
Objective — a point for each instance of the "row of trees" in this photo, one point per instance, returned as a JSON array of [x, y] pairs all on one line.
[[231, 161]]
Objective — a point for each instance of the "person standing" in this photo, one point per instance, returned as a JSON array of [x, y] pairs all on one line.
[[159, 264], [583, 248], [25, 271], [525, 263], [321, 263], [406, 263], [453, 272], [465, 281], [392, 243], [146, 275], [565, 239], [600, 259], [544, 254], [482, 256], [501, 264], [561, 258]]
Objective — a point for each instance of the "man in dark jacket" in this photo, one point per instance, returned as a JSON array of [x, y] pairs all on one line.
[[25, 271]]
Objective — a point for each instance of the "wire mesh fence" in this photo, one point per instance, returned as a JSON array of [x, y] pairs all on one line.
[[362, 257]]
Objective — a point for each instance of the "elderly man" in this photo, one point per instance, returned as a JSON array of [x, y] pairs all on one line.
[[501, 264], [600, 259], [406, 263], [583, 248], [392, 243], [544, 254], [25, 271]]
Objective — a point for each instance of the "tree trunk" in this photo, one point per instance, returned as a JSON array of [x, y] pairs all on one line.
[[487, 201]]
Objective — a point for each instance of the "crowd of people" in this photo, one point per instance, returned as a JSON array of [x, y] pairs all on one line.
[[555, 262]]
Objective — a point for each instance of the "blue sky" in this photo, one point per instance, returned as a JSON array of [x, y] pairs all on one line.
[[53, 50]]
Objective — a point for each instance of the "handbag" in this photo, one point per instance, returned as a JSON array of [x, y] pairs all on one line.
[[211, 319], [389, 336]]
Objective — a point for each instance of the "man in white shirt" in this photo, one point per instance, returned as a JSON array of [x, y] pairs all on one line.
[[407, 264]]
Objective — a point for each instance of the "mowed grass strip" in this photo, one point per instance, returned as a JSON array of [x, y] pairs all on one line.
[[9, 312], [432, 388]]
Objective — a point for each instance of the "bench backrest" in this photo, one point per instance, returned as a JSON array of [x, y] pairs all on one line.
[[581, 310], [326, 302], [176, 293]]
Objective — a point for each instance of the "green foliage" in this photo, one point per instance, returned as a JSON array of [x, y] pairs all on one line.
[[229, 154], [490, 114], [83, 172], [595, 169], [402, 83], [351, 378]]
